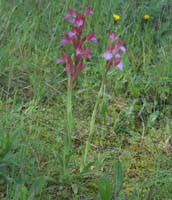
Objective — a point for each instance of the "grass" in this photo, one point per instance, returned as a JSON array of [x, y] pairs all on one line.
[[134, 122]]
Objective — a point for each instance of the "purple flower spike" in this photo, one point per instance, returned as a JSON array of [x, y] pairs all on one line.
[[111, 54], [75, 64]]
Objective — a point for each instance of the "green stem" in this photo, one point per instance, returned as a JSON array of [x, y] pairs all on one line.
[[68, 139], [92, 123], [69, 114]]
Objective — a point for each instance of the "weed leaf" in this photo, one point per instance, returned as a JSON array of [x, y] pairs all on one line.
[[104, 188], [36, 187], [118, 176]]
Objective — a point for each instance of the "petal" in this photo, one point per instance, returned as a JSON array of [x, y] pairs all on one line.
[[59, 61], [107, 55], [78, 52], [67, 16], [71, 20], [112, 36], [71, 34], [94, 40], [75, 30], [79, 20], [123, 49], [88, 10], [90, 36], [71, 13], [117, 55], [116, 61], [67, 39], [63, 41], [68, 69], [86, 53], [119, 44], [120, 66], [66, 58], [109, 47], [115, 51], [79, 23]]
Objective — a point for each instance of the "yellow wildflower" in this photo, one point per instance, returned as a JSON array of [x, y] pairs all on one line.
[[116, 18], [146, 17]]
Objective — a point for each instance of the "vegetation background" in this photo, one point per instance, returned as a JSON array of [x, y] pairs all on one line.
[[134, 122]]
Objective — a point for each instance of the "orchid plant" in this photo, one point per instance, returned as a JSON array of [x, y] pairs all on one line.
[[113, 59], [75, 64], [112, 53]]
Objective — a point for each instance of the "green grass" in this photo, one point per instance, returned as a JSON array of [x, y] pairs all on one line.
[[135, 119]]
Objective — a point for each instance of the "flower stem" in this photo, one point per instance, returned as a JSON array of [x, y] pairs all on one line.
[[92, 123], [68, 139]]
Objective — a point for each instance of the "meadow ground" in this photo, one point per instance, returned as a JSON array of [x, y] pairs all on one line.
[[130, 151]]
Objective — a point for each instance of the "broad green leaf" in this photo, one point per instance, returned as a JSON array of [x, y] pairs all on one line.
[[118, 176], [104, 188], [37, 188], [21, 192], [152, 118]]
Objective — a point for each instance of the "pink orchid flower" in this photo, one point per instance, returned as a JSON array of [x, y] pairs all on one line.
[[113, 49], [75, 65]]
